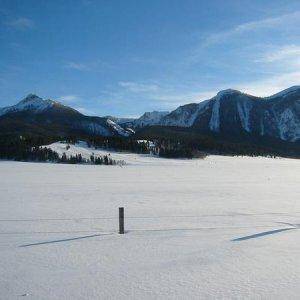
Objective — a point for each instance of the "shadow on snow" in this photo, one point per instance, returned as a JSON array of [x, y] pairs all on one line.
[[63, 240], [261, 234]]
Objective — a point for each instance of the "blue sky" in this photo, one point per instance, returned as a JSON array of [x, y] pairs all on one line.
[[126, 57]]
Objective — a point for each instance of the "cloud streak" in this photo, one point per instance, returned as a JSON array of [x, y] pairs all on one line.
[[77, 66], [87, 66], [267, 23], [162, 97], [136, 87], [270, 85], [69, 98], [282, 54], [20, 23]]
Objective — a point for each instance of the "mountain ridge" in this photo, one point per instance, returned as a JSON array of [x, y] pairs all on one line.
[[39, 115], [229, 112], [233, 112]]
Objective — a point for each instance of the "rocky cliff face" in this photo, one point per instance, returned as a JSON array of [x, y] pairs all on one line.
[[231, 112]]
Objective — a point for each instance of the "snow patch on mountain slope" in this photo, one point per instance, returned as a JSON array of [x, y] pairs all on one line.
[[244, 109], [130, 130], [117, 128], [288, 125], [184, 116], [262, 120], [120, 120], [95, 128], [180, 117], [150, 118], [214, 123], [98, 129]]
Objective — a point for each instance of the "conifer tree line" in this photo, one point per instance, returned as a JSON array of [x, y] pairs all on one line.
[[95, 160], [182, 143], [167, 143], [23, 148], [118, 143]]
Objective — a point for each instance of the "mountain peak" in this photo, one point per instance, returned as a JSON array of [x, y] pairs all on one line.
[[31, 95], [30, 103], [30, 98], [33, 101], [292, 89], [155, 112], [228, 92]]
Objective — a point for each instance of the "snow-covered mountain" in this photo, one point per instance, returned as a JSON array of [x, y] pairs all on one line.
[[149, 118], [31, 103], [120, 121], [184, 116], [36, 114], [229, 113], [232, 112]]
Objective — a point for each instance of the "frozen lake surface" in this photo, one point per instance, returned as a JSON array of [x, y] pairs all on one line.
[[219, 228]]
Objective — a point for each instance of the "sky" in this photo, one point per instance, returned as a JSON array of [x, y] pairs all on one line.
[[123, 58]]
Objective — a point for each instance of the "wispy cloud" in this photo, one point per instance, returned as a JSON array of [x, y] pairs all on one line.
[[171, 97], [87, 66], [264, 87], [270, 85], [161, 96], [136, 87], [20, 23], [77, 66], [171, 100], [267, 23], [284, 53], [69, 98]]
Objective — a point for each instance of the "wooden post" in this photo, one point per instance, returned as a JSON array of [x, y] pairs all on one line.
[[121, 220]]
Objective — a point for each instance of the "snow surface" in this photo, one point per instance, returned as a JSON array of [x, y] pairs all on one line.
[[127, 157], [218, 228]]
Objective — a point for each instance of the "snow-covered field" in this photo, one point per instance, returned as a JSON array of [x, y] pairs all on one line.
[[219, 228], [127, 157]]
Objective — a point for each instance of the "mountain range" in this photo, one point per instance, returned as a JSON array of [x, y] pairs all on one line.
[[230, 113], [38, 116]]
